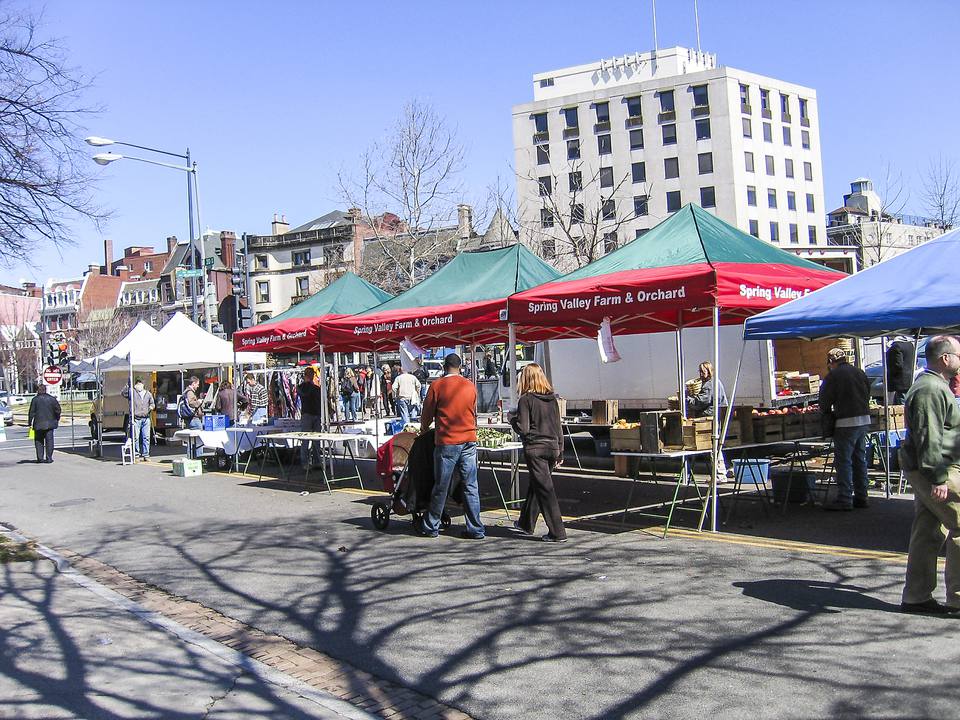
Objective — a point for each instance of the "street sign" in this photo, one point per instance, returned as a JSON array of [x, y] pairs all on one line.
[[208, 262], [52, 375], [185, 273]]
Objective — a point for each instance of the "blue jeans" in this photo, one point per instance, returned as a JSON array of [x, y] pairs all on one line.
[[141, 436], [346, 401], [403, 410], [309, 451], [196, 424], [850, 461], [446, 459], [356, 401]]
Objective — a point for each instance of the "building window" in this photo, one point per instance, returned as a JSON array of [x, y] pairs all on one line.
[[785, 107], [575, 180], [603, 145], [263, 291], [775, 232], [669, 134], [576, 213], [571, 118], [805, 139], [804, 117], [755, 229], [768, 160], [303, 286], [751, 196], [636, 139], [263, 317], [540, 123], [639, 172], [147, 266], [260, 261], [767, 132], [546, 217], [708, 197], [787, 136], [772, 199], [671, 168], [791, 200], [703, 128], [548, 248], [640, 232], [609, 209], [744, 98], [794, 234], [810, 205], [545, 184], [603, 112], [606, 177], [701, 96], [788, 167], [748, 161], [640, 205], [747, 127], [546, 82], [301, 257], [705, 163], [609, 242], [812, 234], [633, 107], [573, 149], [673, 201], [543, 154], [808, 171], [765, 102], [666, 101]]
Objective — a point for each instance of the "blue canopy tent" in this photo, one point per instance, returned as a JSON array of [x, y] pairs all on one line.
[[914, 293]]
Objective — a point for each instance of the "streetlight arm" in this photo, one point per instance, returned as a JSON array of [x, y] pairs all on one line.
[[150, 149], [106, 158]]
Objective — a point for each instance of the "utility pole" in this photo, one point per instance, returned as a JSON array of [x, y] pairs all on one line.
[[193, 256]]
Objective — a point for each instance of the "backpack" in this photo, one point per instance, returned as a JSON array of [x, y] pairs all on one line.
[[184, 411], [346, 387]]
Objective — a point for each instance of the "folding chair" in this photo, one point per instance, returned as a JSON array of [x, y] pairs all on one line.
[[126, 452]]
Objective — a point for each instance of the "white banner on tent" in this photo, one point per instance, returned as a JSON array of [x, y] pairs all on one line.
[[608, 351]]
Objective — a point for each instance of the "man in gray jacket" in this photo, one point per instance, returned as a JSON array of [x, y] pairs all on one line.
[[929, 456], [143, 405], [43, 418]]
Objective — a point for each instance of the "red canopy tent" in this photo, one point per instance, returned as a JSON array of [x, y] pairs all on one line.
[[691, 270]]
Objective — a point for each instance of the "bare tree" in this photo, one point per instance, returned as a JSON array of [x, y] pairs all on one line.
[[100, 331], [941, 192], [19, 342], [44, 181], [407, 189], [581, 214]]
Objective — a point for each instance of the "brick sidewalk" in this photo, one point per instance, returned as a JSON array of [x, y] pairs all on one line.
[[345, 682]]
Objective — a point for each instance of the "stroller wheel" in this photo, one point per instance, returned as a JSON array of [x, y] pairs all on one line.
[[445, 521], [380, 514]]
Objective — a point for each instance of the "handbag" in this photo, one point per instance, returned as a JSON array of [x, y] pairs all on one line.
[[31, 435], [828, 422]]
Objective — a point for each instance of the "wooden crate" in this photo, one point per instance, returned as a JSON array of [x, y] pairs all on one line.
[[896, 418], [626, 467], [734, 433], [744, 418], [605, 412], [812, 424], [804, 383], [698, 434], [768, 429], [625, 440], [793, 427]]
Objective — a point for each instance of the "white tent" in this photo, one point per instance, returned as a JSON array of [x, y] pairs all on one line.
[[117, 355], [183, 345]]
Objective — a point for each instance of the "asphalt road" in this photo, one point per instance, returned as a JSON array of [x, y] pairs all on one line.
[[609, 625]]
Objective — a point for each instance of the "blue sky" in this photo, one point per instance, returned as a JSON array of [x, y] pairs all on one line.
[[274, 98]]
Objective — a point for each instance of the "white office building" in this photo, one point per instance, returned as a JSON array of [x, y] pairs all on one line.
[[607, 150]]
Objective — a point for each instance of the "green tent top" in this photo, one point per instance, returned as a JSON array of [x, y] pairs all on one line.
[[295, 329]]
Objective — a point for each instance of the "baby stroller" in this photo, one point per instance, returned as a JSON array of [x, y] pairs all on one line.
[[410, 481]]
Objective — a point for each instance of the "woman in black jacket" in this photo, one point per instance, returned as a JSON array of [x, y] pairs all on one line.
[[537, 422]]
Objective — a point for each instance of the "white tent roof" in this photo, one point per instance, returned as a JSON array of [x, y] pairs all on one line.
[[183, 345], [139, 334]]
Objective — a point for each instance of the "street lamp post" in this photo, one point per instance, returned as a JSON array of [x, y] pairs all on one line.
[[192, 189]]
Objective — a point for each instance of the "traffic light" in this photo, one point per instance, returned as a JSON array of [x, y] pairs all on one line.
[[236, 280], [246, 318], [63, 354]]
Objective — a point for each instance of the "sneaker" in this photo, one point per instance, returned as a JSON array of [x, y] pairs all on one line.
[[551, 539], [418, 528], [928, 607], [861, 503], [519, 529]]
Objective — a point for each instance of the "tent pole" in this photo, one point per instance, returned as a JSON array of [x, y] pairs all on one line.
[[474, 375], [376, 402], [715, 450], [99, 415], [324, 419], [886, 416], [680, 386], [133, 449], [512, 364]]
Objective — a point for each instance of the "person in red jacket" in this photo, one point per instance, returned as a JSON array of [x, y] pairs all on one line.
[[452, 403]]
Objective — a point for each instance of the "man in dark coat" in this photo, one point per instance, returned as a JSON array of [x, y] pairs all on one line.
[[44, 418]]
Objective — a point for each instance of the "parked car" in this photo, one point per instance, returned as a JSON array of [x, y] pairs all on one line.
[[434, 368], [7, 413]]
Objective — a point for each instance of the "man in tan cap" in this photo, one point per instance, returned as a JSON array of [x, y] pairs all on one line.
[[845, 392]]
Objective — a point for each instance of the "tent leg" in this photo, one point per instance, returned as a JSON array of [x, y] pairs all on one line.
[[376, 402], [133, 449], [715, 450], [681, 388], [886, 418], [512, 350], [324, 410]]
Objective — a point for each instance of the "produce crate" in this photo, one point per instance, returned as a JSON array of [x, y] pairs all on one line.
[[768, 428], [698, 434], [625, 439], [804, 383], [743, 415], [653, 429], [214, 422], [734, 433], [183, 467], [605, 412], [897, 421], [626, 467], [812, 424], [793, 427]]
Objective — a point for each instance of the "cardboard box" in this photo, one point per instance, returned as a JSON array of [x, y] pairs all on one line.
[[183, 467], [605, 412], [804, 383]]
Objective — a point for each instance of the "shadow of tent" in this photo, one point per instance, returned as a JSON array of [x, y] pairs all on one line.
[[813, 596]]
